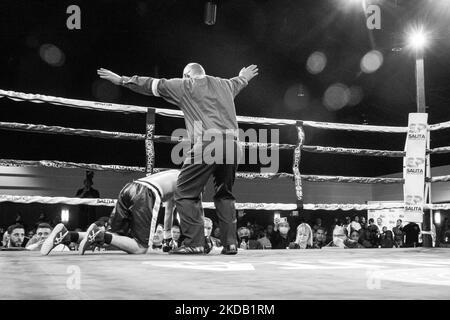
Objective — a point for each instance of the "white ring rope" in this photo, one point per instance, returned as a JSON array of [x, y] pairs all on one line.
[[241, 175], [40, 128], [439, 126], [68, 165], [210, 205], [439, 150], [100, 106]]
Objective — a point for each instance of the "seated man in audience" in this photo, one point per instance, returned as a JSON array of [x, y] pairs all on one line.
[[213, 244], [244, 241], [15, 236], [173, 240], [42, 232], [281, 237], [158, 237], [176, 236], [320, 238], [208, 230]]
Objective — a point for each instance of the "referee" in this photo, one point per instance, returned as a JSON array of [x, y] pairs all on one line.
[[208, 105]]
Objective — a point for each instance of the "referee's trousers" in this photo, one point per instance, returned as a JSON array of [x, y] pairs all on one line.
[[191, 183]]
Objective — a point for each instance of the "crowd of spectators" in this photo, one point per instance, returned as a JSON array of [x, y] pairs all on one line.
[[350, 232]]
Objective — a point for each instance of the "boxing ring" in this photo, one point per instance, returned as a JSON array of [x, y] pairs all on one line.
[[150, 138], [409, 273]]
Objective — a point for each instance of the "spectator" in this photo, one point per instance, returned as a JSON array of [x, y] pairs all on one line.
[[363, 222], [320, 238], [346, 226], [42, 232], [339, 235], [373, 227], [333, 225], [216, 233], [411, 231], [213, 241], [264, 240], [369, 237], [88, 191], [386, 238], [176, 235], [281, 237], [353, 241], [355, 225], [398, 234], [244, 241], [16, 236], [158, 237], [317, 225], [380, 224], [86, 213], [304, 238], [269, 230]]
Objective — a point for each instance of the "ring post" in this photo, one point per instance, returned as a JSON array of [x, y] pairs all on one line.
[[427, 238], [420, 101], [149, 145], [296, 164]]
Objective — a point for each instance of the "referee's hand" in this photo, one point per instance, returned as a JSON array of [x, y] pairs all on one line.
[[249, 73], [109, 75]]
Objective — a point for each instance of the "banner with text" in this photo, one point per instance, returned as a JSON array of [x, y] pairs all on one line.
[[414, 166]]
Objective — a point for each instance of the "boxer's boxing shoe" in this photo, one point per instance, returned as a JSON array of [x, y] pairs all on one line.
[[229, 249], [188, 250], [95, 237], [59, 235]]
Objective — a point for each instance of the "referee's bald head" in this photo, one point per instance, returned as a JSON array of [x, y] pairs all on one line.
[[193, 70]]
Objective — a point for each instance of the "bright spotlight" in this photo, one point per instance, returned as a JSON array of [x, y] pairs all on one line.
[[417, 39]]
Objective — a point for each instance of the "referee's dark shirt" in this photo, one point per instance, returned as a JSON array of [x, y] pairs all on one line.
[[206, 100]]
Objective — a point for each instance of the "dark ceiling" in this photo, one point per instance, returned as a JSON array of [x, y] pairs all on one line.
[[157, 38]]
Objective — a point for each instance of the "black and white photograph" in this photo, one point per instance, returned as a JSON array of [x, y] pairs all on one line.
[[227, 156]]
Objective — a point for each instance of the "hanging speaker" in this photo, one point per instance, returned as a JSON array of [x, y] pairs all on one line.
[[210, 13]]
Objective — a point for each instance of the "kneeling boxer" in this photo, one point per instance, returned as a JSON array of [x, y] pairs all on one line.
[[132, 221]]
